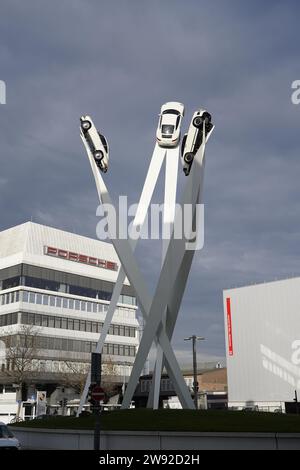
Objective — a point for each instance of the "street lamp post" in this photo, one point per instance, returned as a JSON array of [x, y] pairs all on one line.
[[195, 338]]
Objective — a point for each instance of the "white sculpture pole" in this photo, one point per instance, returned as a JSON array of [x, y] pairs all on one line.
[[171, 174]]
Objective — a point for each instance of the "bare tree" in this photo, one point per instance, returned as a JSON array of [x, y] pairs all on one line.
[[21, 356], [109, 371], [75, 375]]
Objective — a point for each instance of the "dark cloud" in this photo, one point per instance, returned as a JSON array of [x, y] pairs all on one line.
[[119, 61]]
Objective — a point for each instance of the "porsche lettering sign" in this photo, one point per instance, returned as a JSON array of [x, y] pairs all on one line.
[[80, 258]]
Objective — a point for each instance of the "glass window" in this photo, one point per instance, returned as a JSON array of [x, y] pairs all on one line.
[[51, 322], [31, 319], [171, 111], [167, 129], [71, 304], [39, 299], [99, 327], [65, 303], [87, 347], [77, 305], [89, 306], [126, 350], [127, 331], [88, 326], [25, 296], [57, 322], [14, 318], [94, 327], [70, 324], [117, 330], [132, 332], [52, 301], [121, 350], [83, 306], [116, 349], [94, 307], [58, 301], [111, 330], [64, 324], [45, 299], [44, 320], [17, 297], [122, 330], [32, 297], [76, 324], [38, 319], [82, 325], [110, 349], [24, 319], [64, 344]]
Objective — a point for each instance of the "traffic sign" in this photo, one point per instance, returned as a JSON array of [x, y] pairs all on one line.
[[98, 393]]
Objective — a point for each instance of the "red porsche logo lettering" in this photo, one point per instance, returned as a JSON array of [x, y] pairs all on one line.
[[79, 258]]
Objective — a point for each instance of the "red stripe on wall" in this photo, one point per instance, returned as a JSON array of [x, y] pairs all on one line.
[[229, 327]]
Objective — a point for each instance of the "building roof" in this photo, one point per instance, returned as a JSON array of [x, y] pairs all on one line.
[[26, 243]]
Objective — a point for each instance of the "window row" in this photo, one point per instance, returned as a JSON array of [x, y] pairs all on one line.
[[56, 286], [9, 319], [67, 344], [74, 324], [52, 301]]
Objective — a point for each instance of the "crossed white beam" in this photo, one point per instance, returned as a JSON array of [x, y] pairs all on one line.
[[161, 313]]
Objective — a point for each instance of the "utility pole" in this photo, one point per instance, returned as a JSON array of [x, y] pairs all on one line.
[[195, 338]]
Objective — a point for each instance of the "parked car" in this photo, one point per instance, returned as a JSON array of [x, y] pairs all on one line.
[[7, 440], [97, 142], [192, 141], [170, 118]]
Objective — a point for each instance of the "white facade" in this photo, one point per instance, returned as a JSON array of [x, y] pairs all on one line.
[[62, 283], [262, 330]]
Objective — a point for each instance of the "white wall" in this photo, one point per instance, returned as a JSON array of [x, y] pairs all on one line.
[[265, 362]]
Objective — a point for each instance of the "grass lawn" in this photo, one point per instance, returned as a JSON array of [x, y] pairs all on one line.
[[142, 419]]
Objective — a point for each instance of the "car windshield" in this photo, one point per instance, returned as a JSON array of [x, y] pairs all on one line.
[[5, 432], [171, 111], [167, 129]]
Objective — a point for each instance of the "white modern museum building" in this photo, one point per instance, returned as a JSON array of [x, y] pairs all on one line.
[[262, 331], [61, 284]]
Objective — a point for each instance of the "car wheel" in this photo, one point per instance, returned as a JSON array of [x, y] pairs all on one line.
[[98, 155], [86, 125], [188, 158], [198, 121]]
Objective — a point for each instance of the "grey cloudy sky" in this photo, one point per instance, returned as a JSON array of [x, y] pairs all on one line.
[[119, 61]]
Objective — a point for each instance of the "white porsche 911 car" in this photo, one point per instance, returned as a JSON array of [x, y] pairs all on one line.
[[168, 130], [96, 142], [192, 141]]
